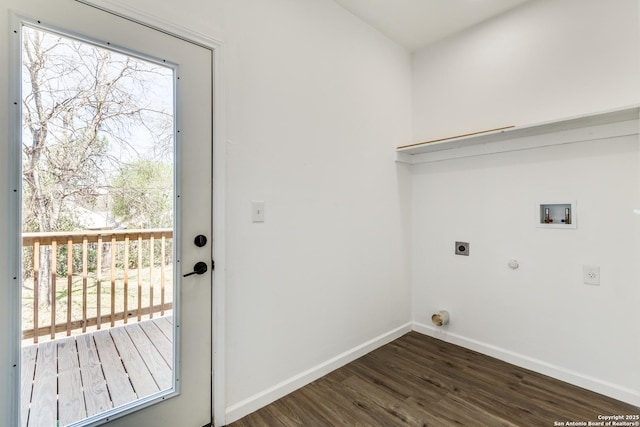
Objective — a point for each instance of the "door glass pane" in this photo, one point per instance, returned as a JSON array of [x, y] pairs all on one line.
[[97, 229]]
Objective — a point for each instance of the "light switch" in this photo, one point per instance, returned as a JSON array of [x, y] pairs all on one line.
[[257, 211]]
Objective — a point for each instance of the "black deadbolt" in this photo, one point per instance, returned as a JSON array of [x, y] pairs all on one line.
[[199, 268], [200, 240]]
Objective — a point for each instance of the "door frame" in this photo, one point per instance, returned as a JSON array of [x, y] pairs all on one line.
[[218, 317]]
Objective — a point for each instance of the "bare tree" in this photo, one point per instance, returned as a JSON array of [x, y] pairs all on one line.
[[80, 103]]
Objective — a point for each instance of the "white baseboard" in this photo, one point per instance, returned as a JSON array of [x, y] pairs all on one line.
[[606, 388], [236, 411]]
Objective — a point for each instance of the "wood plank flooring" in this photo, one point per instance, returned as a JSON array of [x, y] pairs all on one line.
[[421, 381], [73, 378]]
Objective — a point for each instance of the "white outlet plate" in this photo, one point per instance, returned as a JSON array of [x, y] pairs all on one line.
[[591, 275]]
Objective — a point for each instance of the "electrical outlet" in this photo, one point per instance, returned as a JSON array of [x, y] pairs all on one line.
[[591, 275], [462, 248]]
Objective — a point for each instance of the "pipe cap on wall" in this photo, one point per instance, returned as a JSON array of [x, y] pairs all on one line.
[[440, 318]]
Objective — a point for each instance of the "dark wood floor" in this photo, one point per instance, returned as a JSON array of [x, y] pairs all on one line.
[[421, 381]]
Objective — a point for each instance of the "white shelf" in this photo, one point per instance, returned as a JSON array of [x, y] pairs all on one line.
[[606, 124]]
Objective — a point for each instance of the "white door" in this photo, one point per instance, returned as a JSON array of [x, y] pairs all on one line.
[[183, 396]]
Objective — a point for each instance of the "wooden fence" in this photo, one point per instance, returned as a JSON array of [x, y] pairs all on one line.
[[113, 247]]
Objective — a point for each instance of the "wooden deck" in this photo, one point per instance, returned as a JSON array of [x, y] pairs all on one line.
[[73, 378]]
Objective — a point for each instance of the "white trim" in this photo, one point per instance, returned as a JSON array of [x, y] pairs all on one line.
[[404, 158], [265, 397], [219, 241], [143, 17], [14, 202], [219, 183], [597, 385]]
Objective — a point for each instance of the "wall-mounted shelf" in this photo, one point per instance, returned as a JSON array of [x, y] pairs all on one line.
[[620, 122]]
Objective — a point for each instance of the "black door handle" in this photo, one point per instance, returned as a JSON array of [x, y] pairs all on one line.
[[199, 268]]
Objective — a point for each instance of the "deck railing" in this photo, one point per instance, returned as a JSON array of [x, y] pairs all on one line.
[[127, 264]]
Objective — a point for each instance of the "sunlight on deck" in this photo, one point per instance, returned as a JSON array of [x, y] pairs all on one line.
[[77, 377]]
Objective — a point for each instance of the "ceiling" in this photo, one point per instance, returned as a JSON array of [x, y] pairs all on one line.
[[416, 23]]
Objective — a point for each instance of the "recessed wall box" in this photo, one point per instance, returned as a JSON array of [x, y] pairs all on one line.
[[556, 215], [462, 248]]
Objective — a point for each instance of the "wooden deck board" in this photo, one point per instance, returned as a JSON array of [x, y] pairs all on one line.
[[73, 378], [166, 326], [71, 405], [26, 384], [44, 405], [120, 388], [155, 363], [159, 340], [141, 379], [96, 395]]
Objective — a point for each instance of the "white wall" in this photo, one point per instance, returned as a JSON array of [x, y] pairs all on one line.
[[541, 311], [316, 101], [544, 61]]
